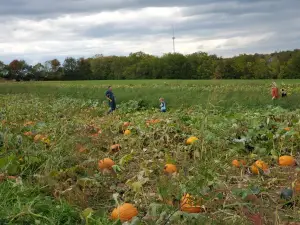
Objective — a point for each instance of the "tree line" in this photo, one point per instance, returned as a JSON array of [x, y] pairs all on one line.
[[139, 65]]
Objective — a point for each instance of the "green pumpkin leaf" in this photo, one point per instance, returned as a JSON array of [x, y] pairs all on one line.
[[125, 159], [87, 213], [137, 187], [116, 168]]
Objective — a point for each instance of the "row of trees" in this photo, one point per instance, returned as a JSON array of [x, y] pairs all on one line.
[[139, 65]]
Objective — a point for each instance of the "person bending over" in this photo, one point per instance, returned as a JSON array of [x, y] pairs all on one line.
[[111, 100]]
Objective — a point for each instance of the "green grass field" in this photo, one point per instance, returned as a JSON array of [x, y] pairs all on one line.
[[54, 134], [177, 93]]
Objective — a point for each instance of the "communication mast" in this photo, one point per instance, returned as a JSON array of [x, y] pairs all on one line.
[[173, 40]]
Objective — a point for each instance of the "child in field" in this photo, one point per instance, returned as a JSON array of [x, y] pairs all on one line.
[[163, 107], [283, 93], [274, 91]]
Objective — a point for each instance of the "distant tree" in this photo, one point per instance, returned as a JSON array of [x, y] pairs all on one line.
[[174, 65], [53, 70], [39, 72], [139, 65], [84, 69], [18, 69], [4, 71], [292, 68], [70, 69]]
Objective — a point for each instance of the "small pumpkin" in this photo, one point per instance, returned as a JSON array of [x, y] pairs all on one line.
[[81, 148], [126, 124], [105, 164], [148, 122], [28, 123], [169, 202], [286, 160], [297, 186], [259, 164], [170, 169], [189, 204], [191, 140], [238, 163], [115, 148], [38, 137], [124, 212], [46, 141], [28, 133], [127, 132]]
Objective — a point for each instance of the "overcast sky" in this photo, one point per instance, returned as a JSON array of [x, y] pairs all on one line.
[[39, 30]]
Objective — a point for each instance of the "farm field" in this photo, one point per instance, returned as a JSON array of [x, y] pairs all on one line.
[[54, 137]]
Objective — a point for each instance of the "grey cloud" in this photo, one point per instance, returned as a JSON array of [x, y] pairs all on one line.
[[203, 20], [51, 8]]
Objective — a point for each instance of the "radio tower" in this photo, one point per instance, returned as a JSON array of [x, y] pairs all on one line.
[[173, 40]]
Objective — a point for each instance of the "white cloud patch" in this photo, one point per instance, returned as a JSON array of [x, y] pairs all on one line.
[[115, 27]]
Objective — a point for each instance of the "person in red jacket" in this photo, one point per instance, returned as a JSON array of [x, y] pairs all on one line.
[[274, 92]]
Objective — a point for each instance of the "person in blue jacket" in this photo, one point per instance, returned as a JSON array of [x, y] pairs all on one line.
[[111, 99], [163, 107]]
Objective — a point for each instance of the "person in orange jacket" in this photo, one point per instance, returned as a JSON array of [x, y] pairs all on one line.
[[274, 92]]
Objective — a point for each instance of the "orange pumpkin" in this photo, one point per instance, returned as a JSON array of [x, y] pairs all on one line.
[[189, 204], [286, 160], [81, 148], [191, 140], [297, 187], [126, 124], [238, 163], [148, 122], [28, 133], [124, 212], [287, 129], [259, 164], [105, 164], [170, 168], [28, 123], [38, 137], [127, 132], [169, 202], [115, 148]]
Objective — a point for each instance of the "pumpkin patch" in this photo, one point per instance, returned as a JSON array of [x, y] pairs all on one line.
[[204, 163]]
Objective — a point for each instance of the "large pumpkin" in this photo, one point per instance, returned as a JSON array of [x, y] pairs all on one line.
[[238, 163], [191, 140], [189, 204], [105, 164], [170, 168], [124, 212], [259, 164], [286, 160]]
